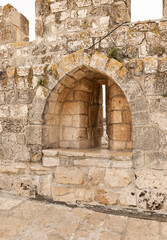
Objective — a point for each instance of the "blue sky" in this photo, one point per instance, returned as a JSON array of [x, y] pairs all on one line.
[[141, 10]]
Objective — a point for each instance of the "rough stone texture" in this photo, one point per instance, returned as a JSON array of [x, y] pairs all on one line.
[[14, 26], [56, 222], [51, 97]]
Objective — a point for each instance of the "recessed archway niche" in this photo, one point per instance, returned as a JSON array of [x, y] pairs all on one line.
[[73, 116]]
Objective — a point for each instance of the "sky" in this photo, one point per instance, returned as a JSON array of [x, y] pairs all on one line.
[[140, 10]]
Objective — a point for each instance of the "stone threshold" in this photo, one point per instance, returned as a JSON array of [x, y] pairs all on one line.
[[112, 210], [92, 153]]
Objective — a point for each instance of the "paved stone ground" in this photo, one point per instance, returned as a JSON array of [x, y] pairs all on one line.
[[23, 219]]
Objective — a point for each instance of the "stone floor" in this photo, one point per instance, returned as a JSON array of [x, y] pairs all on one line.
[[23, 219]]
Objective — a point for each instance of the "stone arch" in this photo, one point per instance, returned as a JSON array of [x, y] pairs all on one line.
[[75, 66]]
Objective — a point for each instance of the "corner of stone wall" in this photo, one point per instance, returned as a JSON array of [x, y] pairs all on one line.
[[14, 25]]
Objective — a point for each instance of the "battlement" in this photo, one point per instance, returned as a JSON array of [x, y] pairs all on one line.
[[14, 26]]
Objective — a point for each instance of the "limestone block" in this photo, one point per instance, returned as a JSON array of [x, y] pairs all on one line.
[[9, 140], [6, 182], [104, 22], [83, 3], [85, 86], [146, 138], [127, 117], [68, 81], [95, 176], [69, 176], [152, 38], [50, 162], [151, 200], [145, 27], [117, 178], [119, 12], [99, 61], [19, 111], [122, 164], [44, 185], [61, 191], [50, 152], [101, 197], [24, 186], [4, 111], [114, 90], [39, 69], [70, 133], [82, 96], [2, 98], [140, 118], [66, 120], [21, 153], [163, 104], [156, 160], [13, 168], [63, 95], [117, 145], [10, 71], [33, 134], [137, 66], [147, 179], [67, 64], [74, 108], [150, 64], [162, 25], [113, 67], [84, 195], [23, 71], [59, 6], [139, 104], [154, 85], [164, 141], [116, 117], [82, 13], [121, 132], [162, 64], [119, 103], [80, 121], [160, 119], [138, 158]]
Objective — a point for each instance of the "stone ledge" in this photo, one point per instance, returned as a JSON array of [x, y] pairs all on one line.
[[89, 153]]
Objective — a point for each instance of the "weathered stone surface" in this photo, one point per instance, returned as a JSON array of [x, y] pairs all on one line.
[[95, 176], [69, 176], [33, 135], [146, 138], [145, 229], [50, 162], [146, 179], [118, 178]]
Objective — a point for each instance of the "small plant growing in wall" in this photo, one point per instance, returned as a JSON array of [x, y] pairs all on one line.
[[114, 53], [164, 95], [40, 82]]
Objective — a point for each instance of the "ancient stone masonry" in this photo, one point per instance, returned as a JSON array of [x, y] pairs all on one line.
[[51, 118], [14, 26]]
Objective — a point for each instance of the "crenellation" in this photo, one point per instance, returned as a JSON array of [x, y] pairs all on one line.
[[14, 26]]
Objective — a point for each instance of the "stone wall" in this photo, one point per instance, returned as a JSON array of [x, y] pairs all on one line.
[[14, 27], [36, 79]]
